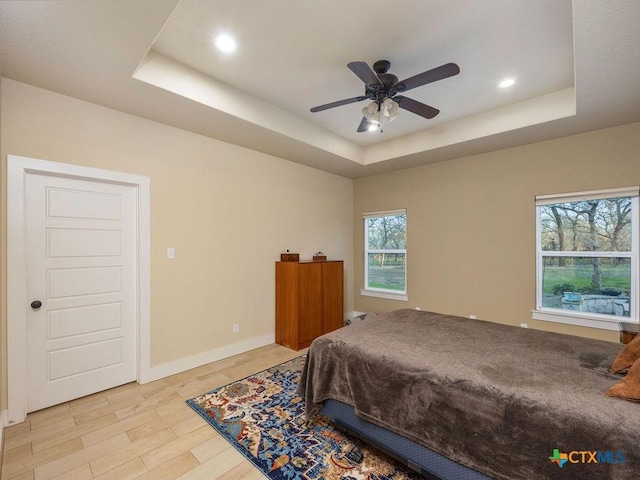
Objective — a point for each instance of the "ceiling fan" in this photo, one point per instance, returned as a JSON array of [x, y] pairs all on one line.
[[383, 88]]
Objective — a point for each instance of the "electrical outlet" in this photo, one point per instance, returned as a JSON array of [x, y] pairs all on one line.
[[418, 308], [472, 317], [524, 325], [236, 327]]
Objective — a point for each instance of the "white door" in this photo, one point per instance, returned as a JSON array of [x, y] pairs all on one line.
[[81, 267]]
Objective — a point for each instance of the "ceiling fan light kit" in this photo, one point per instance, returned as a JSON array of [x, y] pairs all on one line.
[[376, 112], [390, 109], [372, 113], [382, 87]]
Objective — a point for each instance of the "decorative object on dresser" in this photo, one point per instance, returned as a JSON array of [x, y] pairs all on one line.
[[309, 301], [289, 257]]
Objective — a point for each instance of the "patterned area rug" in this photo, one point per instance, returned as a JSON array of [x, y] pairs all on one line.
[[263, 417]]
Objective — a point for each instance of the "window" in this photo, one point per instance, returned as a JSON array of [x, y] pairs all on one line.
[[587, 257], [385, 252]]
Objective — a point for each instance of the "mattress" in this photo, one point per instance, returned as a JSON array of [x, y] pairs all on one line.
[[498, 399]]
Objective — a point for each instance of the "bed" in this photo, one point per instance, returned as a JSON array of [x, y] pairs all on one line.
[[500, 401]]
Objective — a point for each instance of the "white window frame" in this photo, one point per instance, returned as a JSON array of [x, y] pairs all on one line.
[[382, 292], [587, 319]]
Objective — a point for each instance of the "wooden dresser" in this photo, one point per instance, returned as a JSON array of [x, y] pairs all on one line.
[[309, 301]]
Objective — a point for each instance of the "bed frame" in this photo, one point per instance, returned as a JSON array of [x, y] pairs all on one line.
[[421, 459]]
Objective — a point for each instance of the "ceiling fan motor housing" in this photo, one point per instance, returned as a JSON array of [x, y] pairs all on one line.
[[381, 66], [379, 92]]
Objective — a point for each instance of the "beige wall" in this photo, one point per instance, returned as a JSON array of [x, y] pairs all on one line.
[[3, 274], [471, 222], [228, 211]]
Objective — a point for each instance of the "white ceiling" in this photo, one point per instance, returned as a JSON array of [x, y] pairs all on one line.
[[577, 65]]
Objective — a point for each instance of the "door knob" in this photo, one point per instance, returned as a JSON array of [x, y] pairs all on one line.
[[36, 304]]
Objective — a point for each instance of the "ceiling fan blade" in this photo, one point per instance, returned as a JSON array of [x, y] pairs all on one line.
[[433, 75], [339, 103], [416, 107], [364, 125], [364, 73]]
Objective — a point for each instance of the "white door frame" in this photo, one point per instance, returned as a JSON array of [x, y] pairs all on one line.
[[17, 169]]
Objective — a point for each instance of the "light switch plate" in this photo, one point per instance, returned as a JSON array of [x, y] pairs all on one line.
[[171, 253]]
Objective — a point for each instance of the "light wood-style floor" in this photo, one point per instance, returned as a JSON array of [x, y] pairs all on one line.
[[136, 431]]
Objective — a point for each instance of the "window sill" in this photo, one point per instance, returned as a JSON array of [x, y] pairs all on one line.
[[387, 295], [581, 319]]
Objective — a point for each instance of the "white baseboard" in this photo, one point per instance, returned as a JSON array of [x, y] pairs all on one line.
[[194, 361]]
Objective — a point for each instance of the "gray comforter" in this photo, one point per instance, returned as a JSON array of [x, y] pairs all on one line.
[[496, 398]]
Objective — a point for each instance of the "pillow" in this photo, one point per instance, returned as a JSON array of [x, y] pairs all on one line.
[[629, 387], [627, 356]]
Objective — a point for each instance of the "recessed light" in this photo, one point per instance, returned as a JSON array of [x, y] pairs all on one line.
[[507, 82], [225, 43]]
